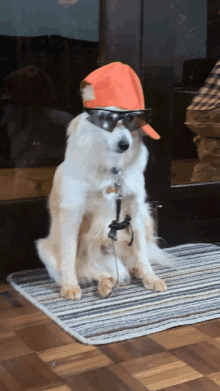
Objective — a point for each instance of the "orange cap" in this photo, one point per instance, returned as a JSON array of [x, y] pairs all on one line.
[[116, 84]]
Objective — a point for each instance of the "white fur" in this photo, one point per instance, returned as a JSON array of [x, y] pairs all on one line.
[[73, 252]]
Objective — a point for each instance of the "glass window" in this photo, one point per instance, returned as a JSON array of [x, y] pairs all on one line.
[[196, 94], [47, 48]]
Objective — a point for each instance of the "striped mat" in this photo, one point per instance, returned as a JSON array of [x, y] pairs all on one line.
[[131, 311]]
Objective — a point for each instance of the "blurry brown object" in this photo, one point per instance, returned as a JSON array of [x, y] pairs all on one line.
[[25, 183], [203, 172], [205, 123], [208, 168], [208, 150], [30, 86], [203, 118]]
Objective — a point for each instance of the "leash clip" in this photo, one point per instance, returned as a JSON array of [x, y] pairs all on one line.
[[117, 182], [115, 225]]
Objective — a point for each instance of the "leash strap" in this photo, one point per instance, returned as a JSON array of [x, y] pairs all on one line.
[[115, 224]]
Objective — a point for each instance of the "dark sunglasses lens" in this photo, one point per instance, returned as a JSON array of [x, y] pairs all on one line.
[[134, 121], [130, 121], [103, 119], [106, 120]]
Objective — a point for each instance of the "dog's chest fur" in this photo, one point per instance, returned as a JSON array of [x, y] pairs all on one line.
[[105, 196], [100, 211]]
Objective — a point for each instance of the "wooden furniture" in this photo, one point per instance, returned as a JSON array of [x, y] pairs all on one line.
[[16, 184]]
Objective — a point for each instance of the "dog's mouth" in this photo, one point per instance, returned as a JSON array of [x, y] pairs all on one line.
[[115, 150], [119, 151]]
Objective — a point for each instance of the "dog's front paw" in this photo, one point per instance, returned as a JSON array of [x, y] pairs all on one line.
[[72, 292], [106, 284], [154, 284]]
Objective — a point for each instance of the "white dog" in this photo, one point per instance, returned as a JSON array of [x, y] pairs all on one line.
[[82, 204]]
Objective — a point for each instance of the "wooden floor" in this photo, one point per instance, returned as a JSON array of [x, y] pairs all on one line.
[[35, 354]]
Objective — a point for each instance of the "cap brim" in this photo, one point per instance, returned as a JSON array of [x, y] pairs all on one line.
[[150, 132]]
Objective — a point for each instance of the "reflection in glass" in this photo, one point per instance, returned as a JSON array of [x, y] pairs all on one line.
[[203, 118], [47, 48], [196, 94]]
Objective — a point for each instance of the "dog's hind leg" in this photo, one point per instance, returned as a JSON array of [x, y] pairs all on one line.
[[49, 247], [140, 215], [69, 221]]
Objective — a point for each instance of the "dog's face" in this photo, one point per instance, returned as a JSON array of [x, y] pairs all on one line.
[[107, 149], [119, 141]]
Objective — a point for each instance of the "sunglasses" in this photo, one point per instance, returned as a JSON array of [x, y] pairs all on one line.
[[107, 119]]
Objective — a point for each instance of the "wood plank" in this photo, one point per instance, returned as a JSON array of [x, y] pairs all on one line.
[[178, 336], [79, 363], [133, 348], [79, 383], [7, 382], [160, 371], [61, 387], [5, 332], [44, 336], [127, 378], [202, 356], [30, 372], [202, 384], [211, 328], [13, 346], [27, 320], [65, 351], [105, 379]]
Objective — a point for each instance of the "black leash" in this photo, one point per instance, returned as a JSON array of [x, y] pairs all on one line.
[[115, 224]]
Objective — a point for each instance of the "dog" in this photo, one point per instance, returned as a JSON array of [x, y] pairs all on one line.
[[82, 205]]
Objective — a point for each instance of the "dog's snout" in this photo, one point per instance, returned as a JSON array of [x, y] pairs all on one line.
[[123, 145]]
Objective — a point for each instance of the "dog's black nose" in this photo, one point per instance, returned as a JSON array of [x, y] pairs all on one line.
[[123, 145]]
